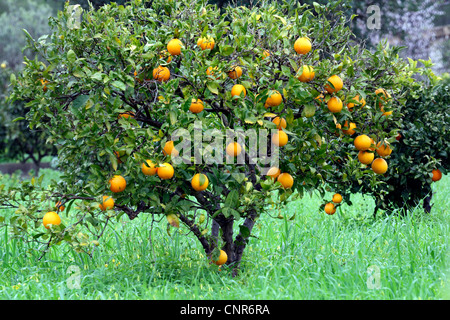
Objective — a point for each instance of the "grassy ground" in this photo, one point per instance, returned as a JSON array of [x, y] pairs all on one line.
[[314, 256]]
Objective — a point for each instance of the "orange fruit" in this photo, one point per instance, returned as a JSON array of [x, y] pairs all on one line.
[[366, 157], [280, 138], [350, 131], [174, 47], [337, 83], [286, 180], [51, 218], [108, 203], [274, 99], [437, 175], [233, 149], [59, 206], [198, 185], [117, 184], [126, 115], [237, 90], [307, 74], [149, 168], [383, 96], [302, 45], [165, 171], [337, 198], [329, 208], [334, 105], [170, 149], [206, 43], [280, 122], [362, 142], [223, 257], [379, 166], [161, 74], [273, 172], [196, 106], [387, 113], [235, 72], [383, 150], [360, 102], [210, 71]]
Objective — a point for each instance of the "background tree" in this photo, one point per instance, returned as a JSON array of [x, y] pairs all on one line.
[[17, 141]]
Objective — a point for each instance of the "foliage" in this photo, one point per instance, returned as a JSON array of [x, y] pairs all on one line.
[[103, 67], [17, 140]]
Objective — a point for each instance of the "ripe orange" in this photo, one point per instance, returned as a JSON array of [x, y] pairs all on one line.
[[51, 218], [302, 45], [161, 74], [383, 96], [437, 175], [280, 122], [174, 47], [334, 105], [337, 83], [366, 157], [329, 208], [206, 43], [237, 90], [274, 99], [108, 203], [170, 149], [233, 149], [360, 102], [280, 138], [387, 113], [350, 131], [210, 71], [307, 74], [379, 166], [273, 172], [286, 180], [149, 168], [235, 72], [362, 142], [117, 184], [383, 150], [126, 115], [196, 106], [337, 198], [165, 171], [59, 206], [223, 257], [199, 185]]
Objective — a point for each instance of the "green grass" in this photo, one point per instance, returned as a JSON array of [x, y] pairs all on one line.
[[314, 256]]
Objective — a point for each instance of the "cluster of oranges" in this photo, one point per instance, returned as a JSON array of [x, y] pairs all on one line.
[[330, 207]]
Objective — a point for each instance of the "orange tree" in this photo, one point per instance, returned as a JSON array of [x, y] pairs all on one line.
[[144, 103], [413, 112]]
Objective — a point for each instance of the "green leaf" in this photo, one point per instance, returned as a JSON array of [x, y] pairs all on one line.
[[119, 85], [226, 50], [71, 56], [245, 232], [213, 87], [309, 111]]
